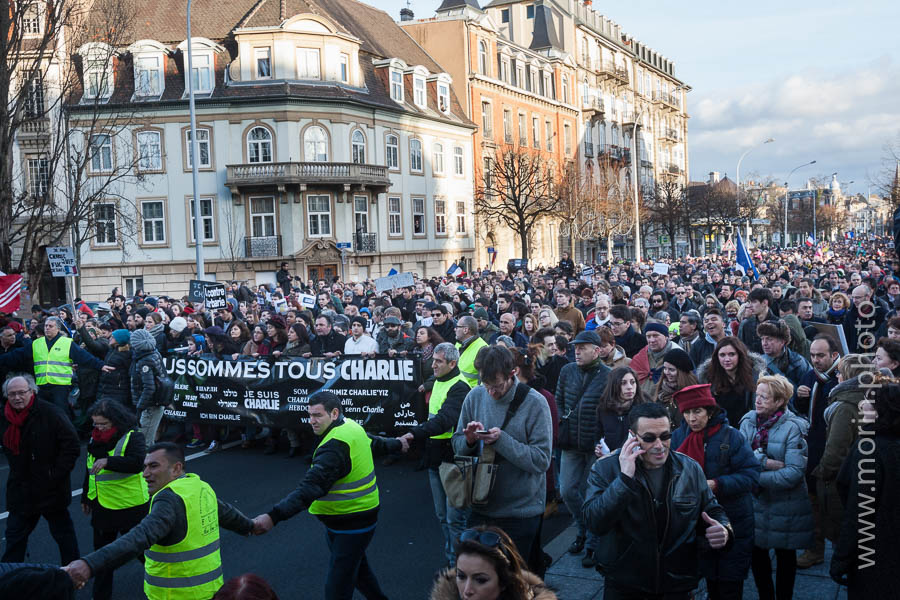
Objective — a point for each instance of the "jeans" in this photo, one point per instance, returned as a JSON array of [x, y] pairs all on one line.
[[452, 519], [785, 573], [150, 418], [724, 590], [522, 531], [573, 476], [103, 580], [19, 526], [348, 567], [58, 395]]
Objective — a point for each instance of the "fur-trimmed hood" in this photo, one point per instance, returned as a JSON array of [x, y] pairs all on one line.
[[445, 587], [759, 366]]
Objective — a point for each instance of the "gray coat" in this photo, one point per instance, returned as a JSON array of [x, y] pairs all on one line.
[[781, 507]]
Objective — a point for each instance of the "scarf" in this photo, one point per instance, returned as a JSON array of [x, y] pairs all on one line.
[[657, 358], [103, 436], [16, 419], [821, 380], [427, 351], [694, 445], [761, 438], [837, 314]]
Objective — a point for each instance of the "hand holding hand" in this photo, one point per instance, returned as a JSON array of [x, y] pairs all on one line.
[[470, 430], [262, 524], [99, 465], [405, 440], [631, 449], [716, 533], [79, 571], [108, 368]]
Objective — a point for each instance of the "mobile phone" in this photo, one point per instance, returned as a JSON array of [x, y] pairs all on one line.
[[482, 431]]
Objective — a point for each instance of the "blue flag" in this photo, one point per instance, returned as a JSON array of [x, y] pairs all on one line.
[[392, 272], [744, 262]]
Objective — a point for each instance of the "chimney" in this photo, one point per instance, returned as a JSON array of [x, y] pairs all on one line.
[[406, 14], [587, 3], [713, 177]]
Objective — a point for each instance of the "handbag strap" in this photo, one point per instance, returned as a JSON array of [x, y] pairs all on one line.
[[521, 391]]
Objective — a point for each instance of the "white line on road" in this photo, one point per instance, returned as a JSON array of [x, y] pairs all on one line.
[[186, 458]]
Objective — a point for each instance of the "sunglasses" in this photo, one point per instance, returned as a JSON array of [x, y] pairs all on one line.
[[649, 438], [490, 539]]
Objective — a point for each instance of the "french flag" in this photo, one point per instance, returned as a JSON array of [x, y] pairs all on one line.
[[810, 241], [455, 271]]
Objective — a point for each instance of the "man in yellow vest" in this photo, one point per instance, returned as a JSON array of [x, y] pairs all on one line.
[[340, 489], [447, 395], [180, 536], [469, 344]]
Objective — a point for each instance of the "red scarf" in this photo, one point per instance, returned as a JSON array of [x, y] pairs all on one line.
[[103, 436], [16, 418], [693, 444]]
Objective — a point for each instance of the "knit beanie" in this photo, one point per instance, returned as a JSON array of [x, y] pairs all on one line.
[[679, 359], [178, 324], [659, 328], [122, 336]]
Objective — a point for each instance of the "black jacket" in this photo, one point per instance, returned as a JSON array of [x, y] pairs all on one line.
[[333, 342], [39, 474], [284, 280], [447, 330], [144, 367], [131, 462], [747, 332], [578, 394], [446, 419], [620, 510], [116, 385], [631, 342], [870, 324]]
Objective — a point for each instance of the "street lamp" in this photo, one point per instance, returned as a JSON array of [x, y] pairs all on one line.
[[195, 151], [746, 152], [786, 189]]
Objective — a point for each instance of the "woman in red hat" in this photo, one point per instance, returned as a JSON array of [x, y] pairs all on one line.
[[731, 472]]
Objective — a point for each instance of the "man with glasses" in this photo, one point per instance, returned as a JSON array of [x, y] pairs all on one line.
[[863, 320], [508, 327], [600, 316], [468, 346], [391, 340], [626, 337], [635, 502], [682, 301], [443, 323]]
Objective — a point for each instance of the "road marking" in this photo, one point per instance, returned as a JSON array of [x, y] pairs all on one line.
[[76, 493]]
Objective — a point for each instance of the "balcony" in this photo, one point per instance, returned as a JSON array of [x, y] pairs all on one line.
[[628, 118], [34, 134], [593, 107], [366, 243], [256, 175], [262, 247], [673, 169], [611, 70], [666, 98], [612, 152], [589, 149], [673, 135]]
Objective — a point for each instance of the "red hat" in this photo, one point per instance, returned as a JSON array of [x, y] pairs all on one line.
[[188, 310], [694, 396]]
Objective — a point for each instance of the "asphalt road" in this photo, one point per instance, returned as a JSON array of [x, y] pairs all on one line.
[[405, 553]]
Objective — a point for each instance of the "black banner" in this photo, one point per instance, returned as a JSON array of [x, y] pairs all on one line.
[[379, 393]]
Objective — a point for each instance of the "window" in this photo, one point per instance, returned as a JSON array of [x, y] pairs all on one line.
[[315, 144], [437, 159], [443, 92], [487, 122], [148, 77], [34, 96], [440, 217], [154, 222], [395, 221], [201, 73], [396, 86], [460, 217], [308, 63], [149, 151], [259, 145], [263, 59], [345, 68], [105, 223], [392, 152], [97, 78], [483, 58], [565, 89], [419, 91], [38, 176], [319, 210], [458, 164], [488, 173], [358, 147], [101, 153], [536, 132], [418, 209], [507, 127], [567, 138], [262, 216], [415, 155], [31, 19], [529, 11], [207, 225], [535, 83], [361, 214], [520, 76], [133, 285], [504, 69], [504, 15], [546, 88], [548, 133], [523, 131], [203, 148]]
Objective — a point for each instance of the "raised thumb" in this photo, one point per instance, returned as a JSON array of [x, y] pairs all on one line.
[[709, 519]]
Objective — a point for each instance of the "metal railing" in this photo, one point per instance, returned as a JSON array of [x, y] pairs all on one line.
[[366, 242], [261, 247], [299, 172], [588, 149]]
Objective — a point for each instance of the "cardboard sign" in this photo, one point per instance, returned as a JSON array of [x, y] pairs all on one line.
[[214, 296], [306, 300], [394, 281], [195, 289], [661, 268], [62, 261]]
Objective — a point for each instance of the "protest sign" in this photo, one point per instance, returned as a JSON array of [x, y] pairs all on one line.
[[379, 393], [62, 261], [195, 289], [214, 296], [394, 281], [306, 300], [835, 332], [661, 268]]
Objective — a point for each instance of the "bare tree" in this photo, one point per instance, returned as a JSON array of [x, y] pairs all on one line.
[[517, 188], [666, 205], [578, 210]]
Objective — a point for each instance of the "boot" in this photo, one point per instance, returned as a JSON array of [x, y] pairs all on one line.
[[577, 546], [810, 558], [588, 561]]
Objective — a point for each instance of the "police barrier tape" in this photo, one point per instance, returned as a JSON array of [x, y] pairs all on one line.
[[380, 393]]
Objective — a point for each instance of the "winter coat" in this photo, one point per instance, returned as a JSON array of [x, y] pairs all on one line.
[[729, 461], [39, 475], [116, 385], [631, 342], [617, 358], [487, 333], [578, 394], [799, 342], [790, 364], [146, 364], [621, 511], [747, 332], [854, 325], [649, 369], [781, 505], [400, 343], [322, 344], [735, 403], [813, 410], [445, 587]]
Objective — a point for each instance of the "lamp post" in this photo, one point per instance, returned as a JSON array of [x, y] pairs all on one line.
[[740, 160], [786, 190], [195, 152], [637, 179]]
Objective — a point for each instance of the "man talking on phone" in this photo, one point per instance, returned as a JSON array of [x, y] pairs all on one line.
[[653, 511]]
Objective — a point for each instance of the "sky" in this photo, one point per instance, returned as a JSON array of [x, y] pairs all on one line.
[[821, 78]]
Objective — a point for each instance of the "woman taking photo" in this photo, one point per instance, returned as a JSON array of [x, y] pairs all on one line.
[[676, 374], [621, 393], [488, 567], [732, 371], [731, 473], [783, 518]]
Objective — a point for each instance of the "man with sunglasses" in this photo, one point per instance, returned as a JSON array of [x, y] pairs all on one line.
[[649, 506]]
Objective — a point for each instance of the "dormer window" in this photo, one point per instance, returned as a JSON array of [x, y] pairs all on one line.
[[31, 20], [148, 76], [443, 94], [396, 85], [419, 91], [201, 73], [263, 61], [98, 74], [308, 63]]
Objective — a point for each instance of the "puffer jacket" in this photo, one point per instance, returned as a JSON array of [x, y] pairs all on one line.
[[116, 385], [729, 461], [781, 506], [578, 394], [146, 364], [445, 587], [620, 510]]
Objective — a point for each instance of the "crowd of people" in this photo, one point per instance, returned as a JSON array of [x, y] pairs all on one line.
[[696, 421]]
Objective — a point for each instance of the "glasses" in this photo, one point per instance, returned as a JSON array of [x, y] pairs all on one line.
[[22, 394], [437, 315], [490, 539], [649, 438]]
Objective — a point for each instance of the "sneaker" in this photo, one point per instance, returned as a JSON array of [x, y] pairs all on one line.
[[196, 443], [810, 558], [588, 561], [213, 446], [577, 546]]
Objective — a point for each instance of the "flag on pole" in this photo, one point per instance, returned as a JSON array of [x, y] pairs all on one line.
[[392, 272], [744, 262], [10, 288], [455, 271], [810, 241]]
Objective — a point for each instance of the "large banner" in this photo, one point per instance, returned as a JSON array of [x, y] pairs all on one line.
[[379, 393]]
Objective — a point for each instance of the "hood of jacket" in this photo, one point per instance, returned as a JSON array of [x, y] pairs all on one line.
[[445, 587], [617, 354], [759, 365], [142, 341]]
